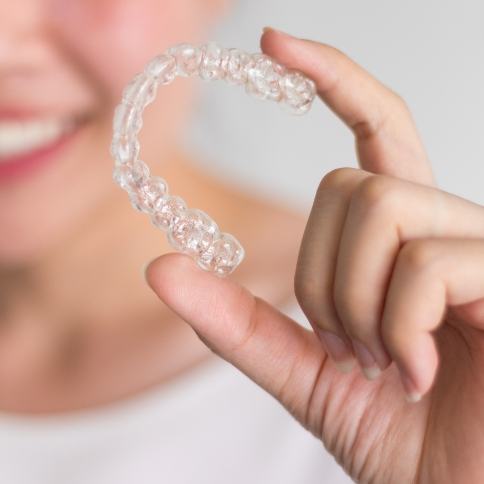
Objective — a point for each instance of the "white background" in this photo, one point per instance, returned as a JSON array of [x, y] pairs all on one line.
[[430, 52]]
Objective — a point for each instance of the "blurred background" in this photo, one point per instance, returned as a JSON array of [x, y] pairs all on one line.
[[430, 52]]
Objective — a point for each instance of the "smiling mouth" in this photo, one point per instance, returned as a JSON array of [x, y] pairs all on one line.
[[25, 144]]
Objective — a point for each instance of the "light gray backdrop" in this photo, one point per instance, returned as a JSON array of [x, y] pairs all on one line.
[[431, 52]]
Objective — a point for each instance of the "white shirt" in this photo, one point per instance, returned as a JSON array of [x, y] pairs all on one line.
[[211, 426]]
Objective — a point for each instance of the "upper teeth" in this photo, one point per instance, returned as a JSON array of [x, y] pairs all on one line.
[[19, 137]]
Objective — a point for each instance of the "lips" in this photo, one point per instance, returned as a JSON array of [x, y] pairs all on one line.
[[26, 143]]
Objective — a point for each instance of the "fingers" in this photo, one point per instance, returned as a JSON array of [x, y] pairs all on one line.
[[269, 347], [429, 275], [357, 226], [383, 214], [386, 136], [314, 278]]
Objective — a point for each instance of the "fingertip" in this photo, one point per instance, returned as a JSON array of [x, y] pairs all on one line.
[[412, 393], [339, 351], [197, 296], [167, 271], [314, 59], [273, 41], [145, 268], [413, 397], [415, 391], [418, 367]]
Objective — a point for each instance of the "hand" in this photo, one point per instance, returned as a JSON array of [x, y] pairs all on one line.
[[391, 269]]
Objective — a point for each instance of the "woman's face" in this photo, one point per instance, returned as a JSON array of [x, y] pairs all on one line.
[[63, 65]]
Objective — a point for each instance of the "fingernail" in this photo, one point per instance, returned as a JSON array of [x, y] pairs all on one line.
[[345, 366], [339, 351], [367, 362], [413, 397], [411, 394]]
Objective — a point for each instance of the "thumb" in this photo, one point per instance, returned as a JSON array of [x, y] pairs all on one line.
[[268, 346]]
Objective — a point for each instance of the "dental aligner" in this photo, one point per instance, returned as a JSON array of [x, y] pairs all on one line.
[[189, 230]]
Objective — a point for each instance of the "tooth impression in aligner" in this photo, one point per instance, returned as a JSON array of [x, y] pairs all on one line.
[[192, 231]]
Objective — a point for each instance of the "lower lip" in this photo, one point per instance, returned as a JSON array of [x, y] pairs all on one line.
[[28, 163]]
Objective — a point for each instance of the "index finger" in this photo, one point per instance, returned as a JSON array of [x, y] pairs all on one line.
[[386, 136]]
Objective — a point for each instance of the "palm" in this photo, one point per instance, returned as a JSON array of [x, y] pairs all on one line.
[[378, 437]]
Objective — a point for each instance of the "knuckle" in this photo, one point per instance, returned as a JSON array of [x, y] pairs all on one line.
[[366, 128], [337, 179], [376, 122], [378, 193], [326, 49], [238, 332], [334, 51], [208, 344], [397, 99], [400, 102], [336, 56], [419, 255]]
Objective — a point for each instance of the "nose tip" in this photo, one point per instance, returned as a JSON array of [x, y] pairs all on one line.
[[22, 29], [21, 24]]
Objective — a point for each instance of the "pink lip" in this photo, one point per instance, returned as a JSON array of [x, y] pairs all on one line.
[[15, 114], [27, 163]]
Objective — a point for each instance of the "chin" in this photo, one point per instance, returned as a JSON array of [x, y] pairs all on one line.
[[26, 236]]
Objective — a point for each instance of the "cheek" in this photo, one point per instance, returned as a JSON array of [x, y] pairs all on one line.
[[115, 38], [107, 42]]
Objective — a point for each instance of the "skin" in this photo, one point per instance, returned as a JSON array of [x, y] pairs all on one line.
[[390, 271], [75, 310], [386, 259]]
